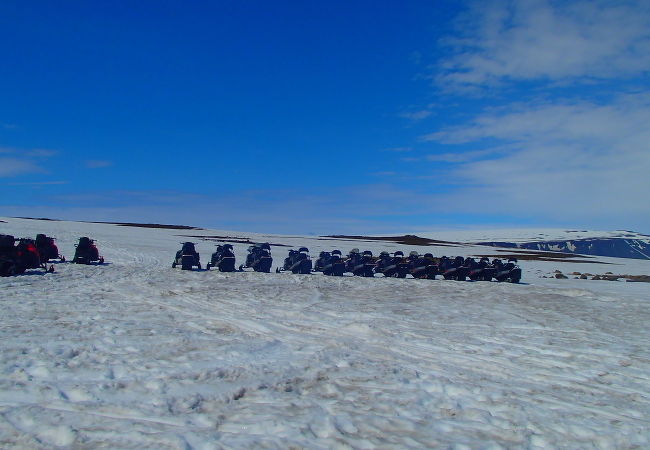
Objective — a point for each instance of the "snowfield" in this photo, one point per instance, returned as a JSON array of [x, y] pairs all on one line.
[[135, 354]]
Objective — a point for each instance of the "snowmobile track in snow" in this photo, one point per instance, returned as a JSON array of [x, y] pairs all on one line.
[[136, 354]]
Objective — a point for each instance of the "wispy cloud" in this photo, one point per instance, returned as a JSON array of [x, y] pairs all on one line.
[[11, 167], [399, 149], [506, 40], [578, 160], [578, 154], [463, 157], [29, 152], [98, 164], [40, 153], [23, 161], [415, 115], [39, 183]]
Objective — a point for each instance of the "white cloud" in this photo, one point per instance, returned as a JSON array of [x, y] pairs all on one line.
[[399, 149], [22, 161], [581, 160], [462, 157], [11, 167], [415, 115], [38, 183], [98, 164], [39, 153], [548, 40]]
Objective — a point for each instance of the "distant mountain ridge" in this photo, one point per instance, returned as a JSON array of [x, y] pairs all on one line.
[[612, 247], [615, 244]]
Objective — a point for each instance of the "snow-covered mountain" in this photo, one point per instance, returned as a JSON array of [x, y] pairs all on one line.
[[135, 354], [617, 244]]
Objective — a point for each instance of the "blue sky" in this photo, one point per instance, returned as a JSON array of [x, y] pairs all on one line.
[[327, 117]]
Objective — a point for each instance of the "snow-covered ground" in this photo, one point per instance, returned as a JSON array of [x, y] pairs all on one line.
[[135, 354]]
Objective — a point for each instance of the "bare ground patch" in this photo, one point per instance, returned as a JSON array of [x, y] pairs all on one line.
[[407, 239], [543, 256], [229, 240]]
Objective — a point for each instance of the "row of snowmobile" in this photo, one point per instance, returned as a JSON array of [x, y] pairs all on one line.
[[357, 263], [259, 258], [18, 255]]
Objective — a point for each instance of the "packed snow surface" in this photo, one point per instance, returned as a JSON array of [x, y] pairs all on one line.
[[135, 354]]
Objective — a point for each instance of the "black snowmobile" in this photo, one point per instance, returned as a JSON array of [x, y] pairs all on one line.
[[187, 257], [259, 258], [321, 262], [392, 266], [509, 271], [453, 269], [479, 271], [223, 259], [330, 263], [16, 259], [298, 262], [423, 266], [47, 248], [360, 265], [86, 252]]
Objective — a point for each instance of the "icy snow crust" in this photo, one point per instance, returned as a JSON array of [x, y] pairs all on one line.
[[135, 354]]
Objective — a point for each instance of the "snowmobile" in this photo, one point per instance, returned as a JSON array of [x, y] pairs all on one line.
[[394, 266], [479, 271], [47, 249], [509, 271], [453, 269], [16, 259], [187, 257], [423, 267], [360, 265], [298, 262], [258, 258], [321, 262], [330, 263], [86, 252], [223, 259]]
